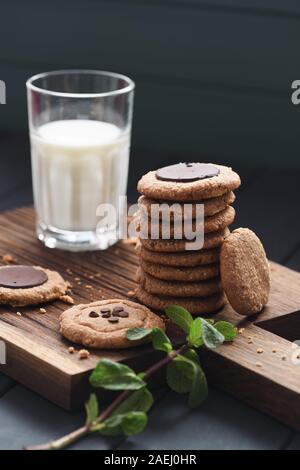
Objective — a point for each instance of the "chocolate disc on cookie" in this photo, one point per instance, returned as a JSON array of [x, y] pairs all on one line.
[[107, 330], [245, 271], [182, 182], [30, 285], [21, 277], [187, 172]]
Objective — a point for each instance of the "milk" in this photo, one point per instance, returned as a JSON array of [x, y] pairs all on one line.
[[77, 165]]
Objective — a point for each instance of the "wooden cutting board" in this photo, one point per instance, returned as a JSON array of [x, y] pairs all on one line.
[[38, 357]]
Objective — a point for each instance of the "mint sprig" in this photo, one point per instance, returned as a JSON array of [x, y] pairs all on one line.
[[127, 414]]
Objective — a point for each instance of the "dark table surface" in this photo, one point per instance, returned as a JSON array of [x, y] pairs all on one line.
[[267, 203]]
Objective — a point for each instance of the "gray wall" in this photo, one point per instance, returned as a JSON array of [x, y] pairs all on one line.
[[213, 77]]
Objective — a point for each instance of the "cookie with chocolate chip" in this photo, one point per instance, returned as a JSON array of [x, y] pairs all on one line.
[[30, 285], [103, 324], [188, 182]]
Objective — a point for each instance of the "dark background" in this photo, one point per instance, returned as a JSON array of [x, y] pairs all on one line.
[[213, 79]]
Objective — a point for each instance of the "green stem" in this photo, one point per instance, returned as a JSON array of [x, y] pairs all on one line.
[[74, 436]]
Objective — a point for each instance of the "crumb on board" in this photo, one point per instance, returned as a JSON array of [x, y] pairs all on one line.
[[19, 314], [7, 259], [77, 279], [130, 241], [98, 275], [258, 364], [283, 358], [69, 271], [250, 341], [71, 350], [241, 330], [274, 350], [131, 293], [42, 310], [83, 354], [88, 286], [259, 350], [67, 299]]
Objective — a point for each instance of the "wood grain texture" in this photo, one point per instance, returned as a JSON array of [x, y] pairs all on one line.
[[37, 356]]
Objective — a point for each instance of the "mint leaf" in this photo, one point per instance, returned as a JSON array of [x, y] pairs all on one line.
[[210, 335], [134, 334], [228, 330], [194, 337], [112, 375], [180, 316], [91, 408], [179, 376], [184, 375], [160, 340], [199, 389], [192, 355], [141, 400], [134, 423], [128, 424]]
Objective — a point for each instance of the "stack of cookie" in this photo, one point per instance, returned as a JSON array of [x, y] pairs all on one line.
[[169, 273]]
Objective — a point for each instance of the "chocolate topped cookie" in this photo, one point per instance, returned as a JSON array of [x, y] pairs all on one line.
[[103, 324], [189, 182], [30, 285]]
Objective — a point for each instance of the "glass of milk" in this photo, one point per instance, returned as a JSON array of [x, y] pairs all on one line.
[[80, 126]]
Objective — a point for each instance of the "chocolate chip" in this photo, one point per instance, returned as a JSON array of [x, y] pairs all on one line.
[[105, 310], [106, 315], [117, 310], [94, 314], [113, 320], [123, 314]]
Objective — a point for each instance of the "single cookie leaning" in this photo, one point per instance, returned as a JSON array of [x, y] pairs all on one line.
[[211, 206], [188, 258], [189, 182], [211, 240], [103, 324], [156, 229], [196, 306], [245, 271], [178, 288], [172, 273], [30, 285]]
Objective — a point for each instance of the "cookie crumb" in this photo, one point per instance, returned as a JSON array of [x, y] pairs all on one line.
[[131, 293], [84, 354], [67, 299], [283, 358], [258, 364], [19, 314], [130, 241], [42, 310], [77, 279], [274, 350], [241, 331], [98, 275], [259, 350], [88, 286], [69, 271], [250, 341], [7, 259], [71, 350]]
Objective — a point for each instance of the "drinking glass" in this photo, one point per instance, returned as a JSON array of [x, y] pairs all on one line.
[[80, 129]]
